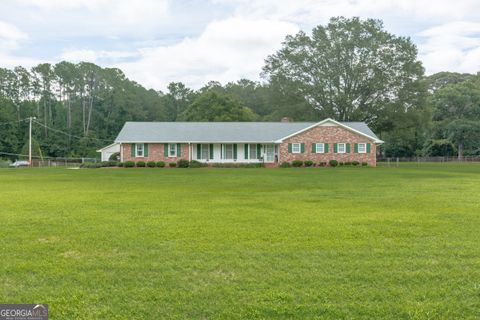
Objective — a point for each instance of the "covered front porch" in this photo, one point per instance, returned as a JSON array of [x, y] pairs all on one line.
[[234, 152]]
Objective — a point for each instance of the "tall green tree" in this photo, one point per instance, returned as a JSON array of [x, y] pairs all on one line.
[[87, 103], [177, 99], [350, 70], [457, 115], [211, 106]]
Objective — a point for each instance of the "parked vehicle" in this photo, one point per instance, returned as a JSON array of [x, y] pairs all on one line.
[[19, 163]]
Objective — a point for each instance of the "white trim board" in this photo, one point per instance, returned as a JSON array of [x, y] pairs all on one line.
[[375, 140]]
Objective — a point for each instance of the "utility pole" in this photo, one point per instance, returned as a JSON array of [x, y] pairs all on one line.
[[30, 142]]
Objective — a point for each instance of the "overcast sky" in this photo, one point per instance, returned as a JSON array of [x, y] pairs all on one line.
[[158, 41]]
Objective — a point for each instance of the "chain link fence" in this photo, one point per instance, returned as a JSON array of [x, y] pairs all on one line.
[[61, 162], [395, 161]]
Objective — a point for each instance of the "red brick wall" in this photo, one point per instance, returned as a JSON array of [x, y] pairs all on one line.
[[155, 153], [330, 135]]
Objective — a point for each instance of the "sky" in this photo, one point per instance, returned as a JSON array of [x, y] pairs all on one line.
[[156, 42]]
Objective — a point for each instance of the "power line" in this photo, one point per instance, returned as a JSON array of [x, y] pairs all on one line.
[[68, 134], [16, 121], [45, 157]]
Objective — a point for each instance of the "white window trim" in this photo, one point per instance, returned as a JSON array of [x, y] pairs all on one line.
[[299, 147], [364, 146], [175, 148], [224, 153], [136, 150], [344, 148], [202, 150], [319, 144], [254, 155]]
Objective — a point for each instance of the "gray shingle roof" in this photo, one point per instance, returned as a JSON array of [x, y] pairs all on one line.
[[218, 131]]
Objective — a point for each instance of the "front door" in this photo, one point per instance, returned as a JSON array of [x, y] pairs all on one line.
[[269, 152]]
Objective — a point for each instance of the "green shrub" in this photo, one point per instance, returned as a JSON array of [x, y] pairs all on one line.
[[225, 165], [172, 164], [91, 165], [140, 164], [364, 164], [183, 163], [333, 163], [197, 164], [160, 164], [4, 163], [341, 164], [112, 163], [297, 163], [322, 164], [308, 163], [151, 164], [355, 163], [104, 164], [252, 165], [285, 165], [129, 164], [348, 163], [238, 165], [120, 164]]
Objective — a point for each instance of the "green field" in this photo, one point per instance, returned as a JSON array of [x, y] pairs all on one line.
[[343, 243]]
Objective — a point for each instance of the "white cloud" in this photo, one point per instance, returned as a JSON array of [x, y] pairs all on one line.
[[75, 55], [227, 50], [159, 41], [452, 46], [97, 17], [10, 36], [318, 11]]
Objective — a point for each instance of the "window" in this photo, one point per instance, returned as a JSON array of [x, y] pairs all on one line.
[[204, 151], [320, 148], [253, 151], [341, 148], [228, 151], [296, 148], [139, 150], [172, 150], [362, 148]]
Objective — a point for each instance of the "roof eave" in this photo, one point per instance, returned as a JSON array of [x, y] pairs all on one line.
[[375, 140]]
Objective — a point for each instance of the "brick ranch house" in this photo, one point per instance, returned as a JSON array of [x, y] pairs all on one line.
[[248, 142]]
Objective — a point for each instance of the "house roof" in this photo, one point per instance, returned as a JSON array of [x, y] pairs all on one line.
[[115, 146], [196, 132]]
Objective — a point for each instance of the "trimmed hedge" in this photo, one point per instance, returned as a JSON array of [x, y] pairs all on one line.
[[297, 163], [197, 164], [140, 164], [322, 164], [238, 165], [160, 164], [333, 163], [151, 164], [355, 163], [172, 164], [129, 164], [183, 163], [364, 164], [91, 165], [308, 163], [285, 165]]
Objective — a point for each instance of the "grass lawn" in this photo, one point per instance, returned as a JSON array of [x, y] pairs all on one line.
[[343, 243]]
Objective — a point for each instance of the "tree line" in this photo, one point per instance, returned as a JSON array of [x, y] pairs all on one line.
[[349, 70]]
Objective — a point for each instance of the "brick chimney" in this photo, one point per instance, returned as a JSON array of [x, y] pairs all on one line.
[[285, 119]]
